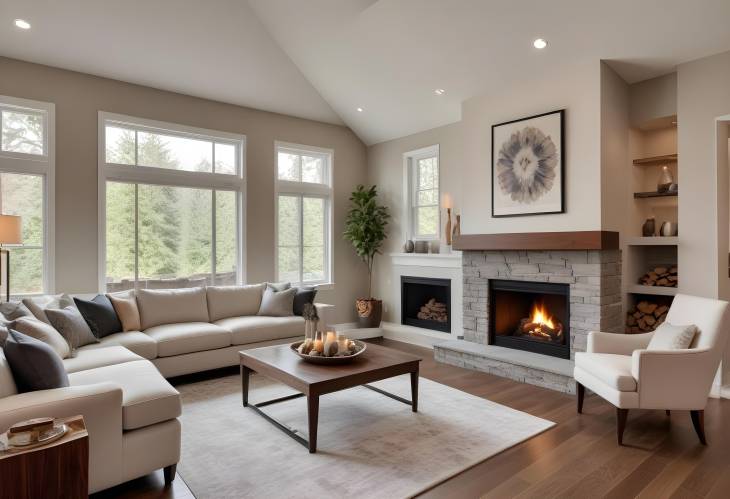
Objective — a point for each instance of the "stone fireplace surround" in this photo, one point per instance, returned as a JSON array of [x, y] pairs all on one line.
[[594, 279]]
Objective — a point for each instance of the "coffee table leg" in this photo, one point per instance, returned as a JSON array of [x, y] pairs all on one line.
[[414, 390], [245, 375], [313, 417]]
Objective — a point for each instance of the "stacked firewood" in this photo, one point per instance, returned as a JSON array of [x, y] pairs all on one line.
[[645, 317], [661, 276], [433, 311]]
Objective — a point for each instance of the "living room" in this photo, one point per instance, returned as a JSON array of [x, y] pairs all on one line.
[[364, 248]]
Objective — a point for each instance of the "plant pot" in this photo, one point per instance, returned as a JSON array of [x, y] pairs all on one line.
[[369, 312]]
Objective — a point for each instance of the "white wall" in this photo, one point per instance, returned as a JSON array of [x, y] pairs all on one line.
[[574, 88]]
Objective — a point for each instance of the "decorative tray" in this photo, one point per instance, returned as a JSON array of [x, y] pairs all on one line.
[[334, 360]]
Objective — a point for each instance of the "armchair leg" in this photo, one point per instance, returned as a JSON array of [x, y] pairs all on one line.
[[698, 420], [169, 472], [580, 392], [621, 415]]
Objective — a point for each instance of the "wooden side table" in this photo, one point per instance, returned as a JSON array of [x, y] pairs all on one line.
[[59, 469]]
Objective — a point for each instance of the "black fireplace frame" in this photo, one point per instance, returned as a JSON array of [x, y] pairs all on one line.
[[551, 288], [442, 327]]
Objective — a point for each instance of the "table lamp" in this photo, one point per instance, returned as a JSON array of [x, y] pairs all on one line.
[[10, 233]]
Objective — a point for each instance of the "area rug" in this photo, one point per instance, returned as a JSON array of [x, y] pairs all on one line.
[[369, 445]]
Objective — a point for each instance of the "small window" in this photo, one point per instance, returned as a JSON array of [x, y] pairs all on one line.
[[422, 172], [303, 212]]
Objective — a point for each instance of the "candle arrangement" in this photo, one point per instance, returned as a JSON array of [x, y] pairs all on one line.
[[328, 348]]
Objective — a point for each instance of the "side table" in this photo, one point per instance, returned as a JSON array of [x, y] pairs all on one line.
[[59, 469]]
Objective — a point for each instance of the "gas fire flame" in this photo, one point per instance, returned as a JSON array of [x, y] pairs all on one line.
[[541, 316]]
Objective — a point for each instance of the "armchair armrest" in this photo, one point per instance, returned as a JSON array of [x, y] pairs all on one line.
[[616, 343], [101, 406], [674, 379], [326, 313]]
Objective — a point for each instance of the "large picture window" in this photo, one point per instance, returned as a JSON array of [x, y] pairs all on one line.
[[303, 213], [173, 199], [422, 181], [26, 190]]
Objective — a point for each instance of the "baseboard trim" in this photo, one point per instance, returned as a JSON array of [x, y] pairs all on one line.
[[414, 335]]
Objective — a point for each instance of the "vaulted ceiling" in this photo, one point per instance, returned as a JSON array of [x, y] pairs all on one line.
[[324, 59]]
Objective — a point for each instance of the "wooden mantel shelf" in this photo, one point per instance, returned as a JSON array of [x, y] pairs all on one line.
[[583, 240]]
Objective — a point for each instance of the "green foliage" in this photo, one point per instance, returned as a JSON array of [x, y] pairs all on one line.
[[365, 226]]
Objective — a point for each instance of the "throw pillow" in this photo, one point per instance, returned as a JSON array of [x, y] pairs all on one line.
[[279, 286], [670, 337], [99, 314], [44, 332], [35, 365], [38, 304], [12, 310], [125, 305], [277, 303], [304, 295], [72, 326]]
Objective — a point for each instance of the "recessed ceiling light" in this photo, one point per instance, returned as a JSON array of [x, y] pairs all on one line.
[[360, 110], [439, 91], [540, 43], [22, 24]]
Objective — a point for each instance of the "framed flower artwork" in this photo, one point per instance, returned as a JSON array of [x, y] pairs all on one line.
[[527, 166]]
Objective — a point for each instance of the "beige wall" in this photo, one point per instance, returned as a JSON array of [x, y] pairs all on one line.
[[654, 98], [703, 94], [78, 98]]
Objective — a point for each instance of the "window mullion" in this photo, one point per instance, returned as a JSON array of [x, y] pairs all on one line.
[[301, 238], [212, 242], [136, 234]]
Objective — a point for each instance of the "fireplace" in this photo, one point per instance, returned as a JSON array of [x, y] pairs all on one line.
[[426, 303], [532, 316]]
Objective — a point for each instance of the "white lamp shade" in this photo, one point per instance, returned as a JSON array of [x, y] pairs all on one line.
[[10, 230]]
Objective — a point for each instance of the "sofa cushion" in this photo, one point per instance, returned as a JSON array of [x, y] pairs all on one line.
[[171, 306], [614, 370], [35, 365], [38, 304], [41, 331], [72, 326], [147, 397], [125, 305], [177, 339], [305, 295], [277, 303], [90, 357], [100, 315], [7, 383], [234, 301], [139, 343], [12, 310], [251, 329]]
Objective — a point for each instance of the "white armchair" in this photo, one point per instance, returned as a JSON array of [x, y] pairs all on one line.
[[619, 368]]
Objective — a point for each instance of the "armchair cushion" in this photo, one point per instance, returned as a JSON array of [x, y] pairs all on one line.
[[616, 343], [611, 369], [670, 337]]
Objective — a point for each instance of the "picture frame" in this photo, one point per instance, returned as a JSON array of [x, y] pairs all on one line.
[[528, 166]]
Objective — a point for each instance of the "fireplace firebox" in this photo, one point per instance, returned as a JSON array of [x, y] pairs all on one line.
[[426, 303], [532, 316]]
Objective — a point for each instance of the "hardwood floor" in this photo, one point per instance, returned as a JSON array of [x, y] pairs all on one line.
[[661, 456]]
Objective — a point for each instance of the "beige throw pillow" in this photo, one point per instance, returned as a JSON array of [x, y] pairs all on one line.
[[38, 305], [125, 305], [72, 326], [277, 303], [44, 332], [670, 337]]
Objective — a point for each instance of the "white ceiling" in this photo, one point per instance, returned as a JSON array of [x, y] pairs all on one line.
[[322, 59]]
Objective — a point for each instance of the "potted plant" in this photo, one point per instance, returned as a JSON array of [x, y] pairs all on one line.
[[365, 229]]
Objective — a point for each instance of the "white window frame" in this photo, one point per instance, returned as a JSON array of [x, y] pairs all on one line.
[[306, 189], [43, 165], [410, 160], [113, 172]]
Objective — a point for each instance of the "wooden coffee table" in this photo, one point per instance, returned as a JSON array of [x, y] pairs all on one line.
[[312, 380]]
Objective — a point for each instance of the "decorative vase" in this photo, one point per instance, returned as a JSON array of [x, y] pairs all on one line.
[[649, 227], [665, 180], [448, 226], [409, 247], [369, 312], [668, 229], [457, 227]]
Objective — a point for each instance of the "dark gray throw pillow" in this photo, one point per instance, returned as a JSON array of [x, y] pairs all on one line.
[[100, 315], [305, 294], [35, 365], [72, 326]]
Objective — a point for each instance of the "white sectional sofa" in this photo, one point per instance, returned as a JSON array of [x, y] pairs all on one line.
[[119, 384]]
